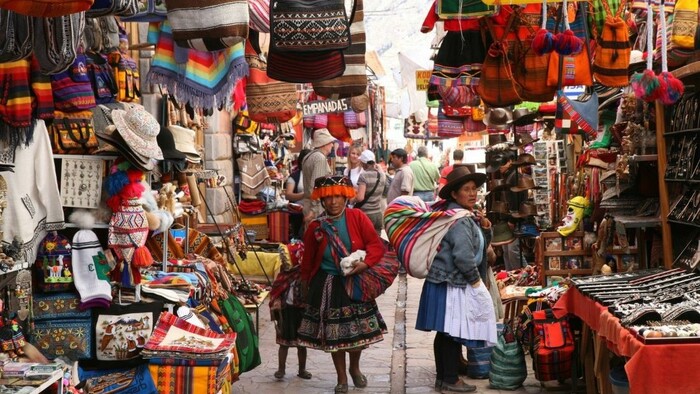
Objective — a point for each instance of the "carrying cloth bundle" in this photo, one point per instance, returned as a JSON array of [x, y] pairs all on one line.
[[208, 25], [409, 222], [497, 87], [612, 53], [16, 40], [268, 100], [353, 82]]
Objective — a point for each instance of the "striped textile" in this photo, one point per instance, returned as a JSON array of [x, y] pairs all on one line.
[[353, 82], [206, 80], [173, 334], [186, 380], [308, 25], [612, 52], [210, 25], [448, 126], [409, 222], [305, 67], [259, 15], [577, 116]]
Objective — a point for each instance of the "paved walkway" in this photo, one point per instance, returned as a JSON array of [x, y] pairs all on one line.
[[402, 363]]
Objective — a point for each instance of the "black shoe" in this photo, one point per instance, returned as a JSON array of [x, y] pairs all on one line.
[[458, 387]]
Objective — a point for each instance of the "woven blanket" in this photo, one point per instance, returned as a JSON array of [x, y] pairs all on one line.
[[416, 229], [173, 334], [186, 380], [206, 80]]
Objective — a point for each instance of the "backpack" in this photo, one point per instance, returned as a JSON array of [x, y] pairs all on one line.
[[553, 346], [53, 268]]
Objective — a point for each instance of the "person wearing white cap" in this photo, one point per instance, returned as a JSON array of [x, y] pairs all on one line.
[[315, 165], [370, 187]]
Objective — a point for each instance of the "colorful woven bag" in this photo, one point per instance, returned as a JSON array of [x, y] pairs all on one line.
[[529, 68], [72, 90], [685, 23], [308, 25], [353, 82], [268, 100], [208, 25], [573, 70], [305, 67], [497, 87], [612, 54], [457, 85]]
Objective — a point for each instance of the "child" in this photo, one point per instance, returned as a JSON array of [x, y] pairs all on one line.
[[286, 310]]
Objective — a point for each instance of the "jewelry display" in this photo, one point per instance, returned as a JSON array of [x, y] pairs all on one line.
[[81, 182]]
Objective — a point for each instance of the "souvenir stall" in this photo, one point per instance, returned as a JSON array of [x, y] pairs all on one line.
[[587, 111]]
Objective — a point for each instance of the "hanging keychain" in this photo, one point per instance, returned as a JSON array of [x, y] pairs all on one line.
[[646, 85]]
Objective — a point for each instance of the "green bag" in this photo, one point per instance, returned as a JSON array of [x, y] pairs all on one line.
[[508, 369], [241, 322], [470, 9]]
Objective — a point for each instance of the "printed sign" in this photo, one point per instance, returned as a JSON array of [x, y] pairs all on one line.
[[325, 106], [422, 79]]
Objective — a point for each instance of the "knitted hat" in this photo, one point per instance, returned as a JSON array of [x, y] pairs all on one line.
[[90, 268], [332, 186]]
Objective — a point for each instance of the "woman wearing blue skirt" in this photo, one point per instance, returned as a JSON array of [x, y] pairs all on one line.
[[455, 302]]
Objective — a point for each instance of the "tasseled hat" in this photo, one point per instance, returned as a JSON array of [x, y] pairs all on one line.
[[332, 186]]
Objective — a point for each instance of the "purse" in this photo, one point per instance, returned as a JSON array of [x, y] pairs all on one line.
[[612, 52], [576, 68], [497, 87], [73, 133], [685, 23], [308, 25], [102, 80], [530, 69], [456, 85], [208, 25], [353, 82], [16, 36], [72, 90], [268, 100]]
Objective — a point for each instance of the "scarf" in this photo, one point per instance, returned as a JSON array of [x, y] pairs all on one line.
[[409, 222], [205, 80]]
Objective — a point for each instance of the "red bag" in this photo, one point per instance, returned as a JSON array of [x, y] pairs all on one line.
[[553, 349], [497, 86]]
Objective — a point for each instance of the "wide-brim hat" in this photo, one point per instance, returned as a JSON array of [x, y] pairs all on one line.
[[335, 185], [497, 138], [527, 209], [498, 118], [166, 141], [116, 144], [502, 235], [322, 137], [500, 207], [496, 185], [524, 116], [459, 176], [139, 129], [525, 159], [184, 139], [495, 159], [524, 139], [525, 183]]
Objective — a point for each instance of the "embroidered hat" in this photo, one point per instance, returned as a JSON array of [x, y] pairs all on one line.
[[322, 137], [332, 186], [139, 130], [458, 177], [184, 142], [367, 156]]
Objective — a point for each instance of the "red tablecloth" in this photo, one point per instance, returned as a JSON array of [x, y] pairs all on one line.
[[653, 369]]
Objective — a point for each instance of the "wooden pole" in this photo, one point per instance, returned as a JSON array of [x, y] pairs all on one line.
[[663, 190]]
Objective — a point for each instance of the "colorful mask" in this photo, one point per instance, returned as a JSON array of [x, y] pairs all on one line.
[[571, 221]]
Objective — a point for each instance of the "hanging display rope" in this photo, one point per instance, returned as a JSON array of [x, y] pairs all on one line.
[[671, 88], [646, 85]]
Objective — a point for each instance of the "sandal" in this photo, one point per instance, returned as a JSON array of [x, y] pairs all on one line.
[[304, 374], [279, 375], [341, 388], [360, 381]]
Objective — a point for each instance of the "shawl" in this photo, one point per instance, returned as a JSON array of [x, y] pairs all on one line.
[[416, 229], [206, 80]]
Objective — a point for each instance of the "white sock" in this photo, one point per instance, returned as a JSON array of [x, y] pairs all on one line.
[[88, 265]]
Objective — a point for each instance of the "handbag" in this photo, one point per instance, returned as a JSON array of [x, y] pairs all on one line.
[[508, 369], [612, 52], [268, 100], [46, 8], [463, 9], [573, 70], [449, 127], [530, 69], [308, 25], [72, 90], [15, 36], [497, 87], [353, 81], [456, 85], [73, 133], [208, 25], [126, 74], [685, 23], [102, 80]]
